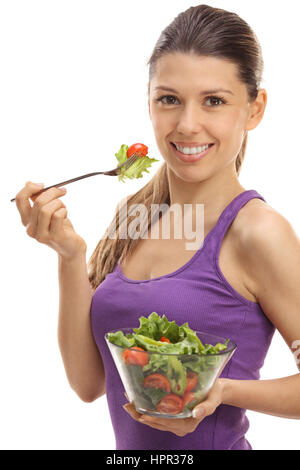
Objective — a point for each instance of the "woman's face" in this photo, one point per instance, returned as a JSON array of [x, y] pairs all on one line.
[[196, 100]]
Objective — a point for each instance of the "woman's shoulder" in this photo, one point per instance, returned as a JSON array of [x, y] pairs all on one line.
[[259, 218], [263, 242], [260, 229]]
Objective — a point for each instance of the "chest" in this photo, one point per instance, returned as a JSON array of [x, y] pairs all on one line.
[[157, 257]]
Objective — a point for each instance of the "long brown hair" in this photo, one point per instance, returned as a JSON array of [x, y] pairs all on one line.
[[205, 31]]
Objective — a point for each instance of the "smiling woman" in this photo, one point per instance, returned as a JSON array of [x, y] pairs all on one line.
[[204, 97], [210, 59], [221, 115]]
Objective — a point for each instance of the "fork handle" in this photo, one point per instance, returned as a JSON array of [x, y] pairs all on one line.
[[69, 181]]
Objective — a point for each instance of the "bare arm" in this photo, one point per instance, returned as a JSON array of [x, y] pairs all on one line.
[[270, 251], [47, 222], [81, 357], [277, 397]]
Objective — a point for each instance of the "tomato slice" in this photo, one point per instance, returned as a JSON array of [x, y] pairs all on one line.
[[171, 404], [192, 380], [133, 356], [188, 398], [140, 148], [157, 381], [164, 339]]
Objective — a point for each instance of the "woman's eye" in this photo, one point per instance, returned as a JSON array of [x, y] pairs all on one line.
[[215, 98], [167, 99]]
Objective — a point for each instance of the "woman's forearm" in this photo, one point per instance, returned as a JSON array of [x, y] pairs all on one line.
[[277, 397], [81, 358]]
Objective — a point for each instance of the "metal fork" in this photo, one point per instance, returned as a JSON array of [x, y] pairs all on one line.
[[114, 172]]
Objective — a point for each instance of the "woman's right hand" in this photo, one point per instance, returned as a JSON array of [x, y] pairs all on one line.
[[47, 221]]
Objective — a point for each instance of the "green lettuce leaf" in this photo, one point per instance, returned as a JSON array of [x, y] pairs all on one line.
[[183, 339], [155, 395], [157, 363], [155, 327], [176, 375], [137, 168], [120, 339]]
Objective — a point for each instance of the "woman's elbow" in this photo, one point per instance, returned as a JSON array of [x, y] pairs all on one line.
[[90, 396]]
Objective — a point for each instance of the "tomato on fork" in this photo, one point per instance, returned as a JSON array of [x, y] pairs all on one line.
[[141, 149]]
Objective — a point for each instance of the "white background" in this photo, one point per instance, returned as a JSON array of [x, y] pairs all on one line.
[[73, 88]]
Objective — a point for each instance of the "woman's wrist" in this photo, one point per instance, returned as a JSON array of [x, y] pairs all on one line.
[[79, 255], [226, 390]]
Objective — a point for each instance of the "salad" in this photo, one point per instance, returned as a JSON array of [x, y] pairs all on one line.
[[140, 165], [168, 367]]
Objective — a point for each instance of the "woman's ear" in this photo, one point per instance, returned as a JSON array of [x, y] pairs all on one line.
[[256, 110]]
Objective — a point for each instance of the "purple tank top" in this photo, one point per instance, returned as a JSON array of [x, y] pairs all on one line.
[[197, 293]]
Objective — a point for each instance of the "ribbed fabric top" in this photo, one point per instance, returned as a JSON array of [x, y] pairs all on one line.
[[197, 293]]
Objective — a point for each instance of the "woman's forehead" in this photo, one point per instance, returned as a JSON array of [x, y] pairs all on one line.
[[180, 69]]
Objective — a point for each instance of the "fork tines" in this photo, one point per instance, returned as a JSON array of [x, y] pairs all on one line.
[[130, 161]]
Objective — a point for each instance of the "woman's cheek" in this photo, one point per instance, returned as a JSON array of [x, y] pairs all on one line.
[[231, 130]]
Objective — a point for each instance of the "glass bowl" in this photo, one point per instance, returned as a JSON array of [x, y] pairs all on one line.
[[168, 385]]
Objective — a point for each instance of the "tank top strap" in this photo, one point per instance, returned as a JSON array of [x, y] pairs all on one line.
[[214, 238]]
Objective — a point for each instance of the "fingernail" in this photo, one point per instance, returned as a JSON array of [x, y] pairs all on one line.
[[63, 189], [198, 412]]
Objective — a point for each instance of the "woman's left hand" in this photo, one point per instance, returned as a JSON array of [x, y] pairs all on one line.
[[183, 426]]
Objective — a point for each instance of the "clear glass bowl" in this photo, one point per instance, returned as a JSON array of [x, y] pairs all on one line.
[[169, 385]]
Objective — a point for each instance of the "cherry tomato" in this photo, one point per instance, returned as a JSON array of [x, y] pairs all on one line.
[[164, 339], [140, 148], [188, 397], [192, 380], [157, 381], [133, 356], [171, 404]]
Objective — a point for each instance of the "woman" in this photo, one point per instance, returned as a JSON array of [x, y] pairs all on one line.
[[204, 79]]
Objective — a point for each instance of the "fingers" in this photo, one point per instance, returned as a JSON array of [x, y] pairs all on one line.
[[22, 200], [129, 407], [38, 208], [199, 412], [49, 214], [155, 423], [144, 419], [57, 221]]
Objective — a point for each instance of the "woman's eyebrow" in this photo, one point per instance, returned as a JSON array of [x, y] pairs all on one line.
[[205, 92]]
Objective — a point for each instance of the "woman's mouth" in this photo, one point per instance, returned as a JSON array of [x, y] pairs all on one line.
[[191, 154]]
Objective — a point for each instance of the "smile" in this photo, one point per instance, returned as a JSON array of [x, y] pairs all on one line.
[[190, 154], [191, 150]]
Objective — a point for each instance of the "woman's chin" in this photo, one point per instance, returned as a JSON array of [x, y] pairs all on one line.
[[188, 175]]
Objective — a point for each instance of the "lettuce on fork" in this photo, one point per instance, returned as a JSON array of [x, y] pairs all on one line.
[[137, 168]]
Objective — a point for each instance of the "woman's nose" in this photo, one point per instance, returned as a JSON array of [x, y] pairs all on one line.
[[190, 121]]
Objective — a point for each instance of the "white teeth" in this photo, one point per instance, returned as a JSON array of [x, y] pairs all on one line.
[[191, 150]]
